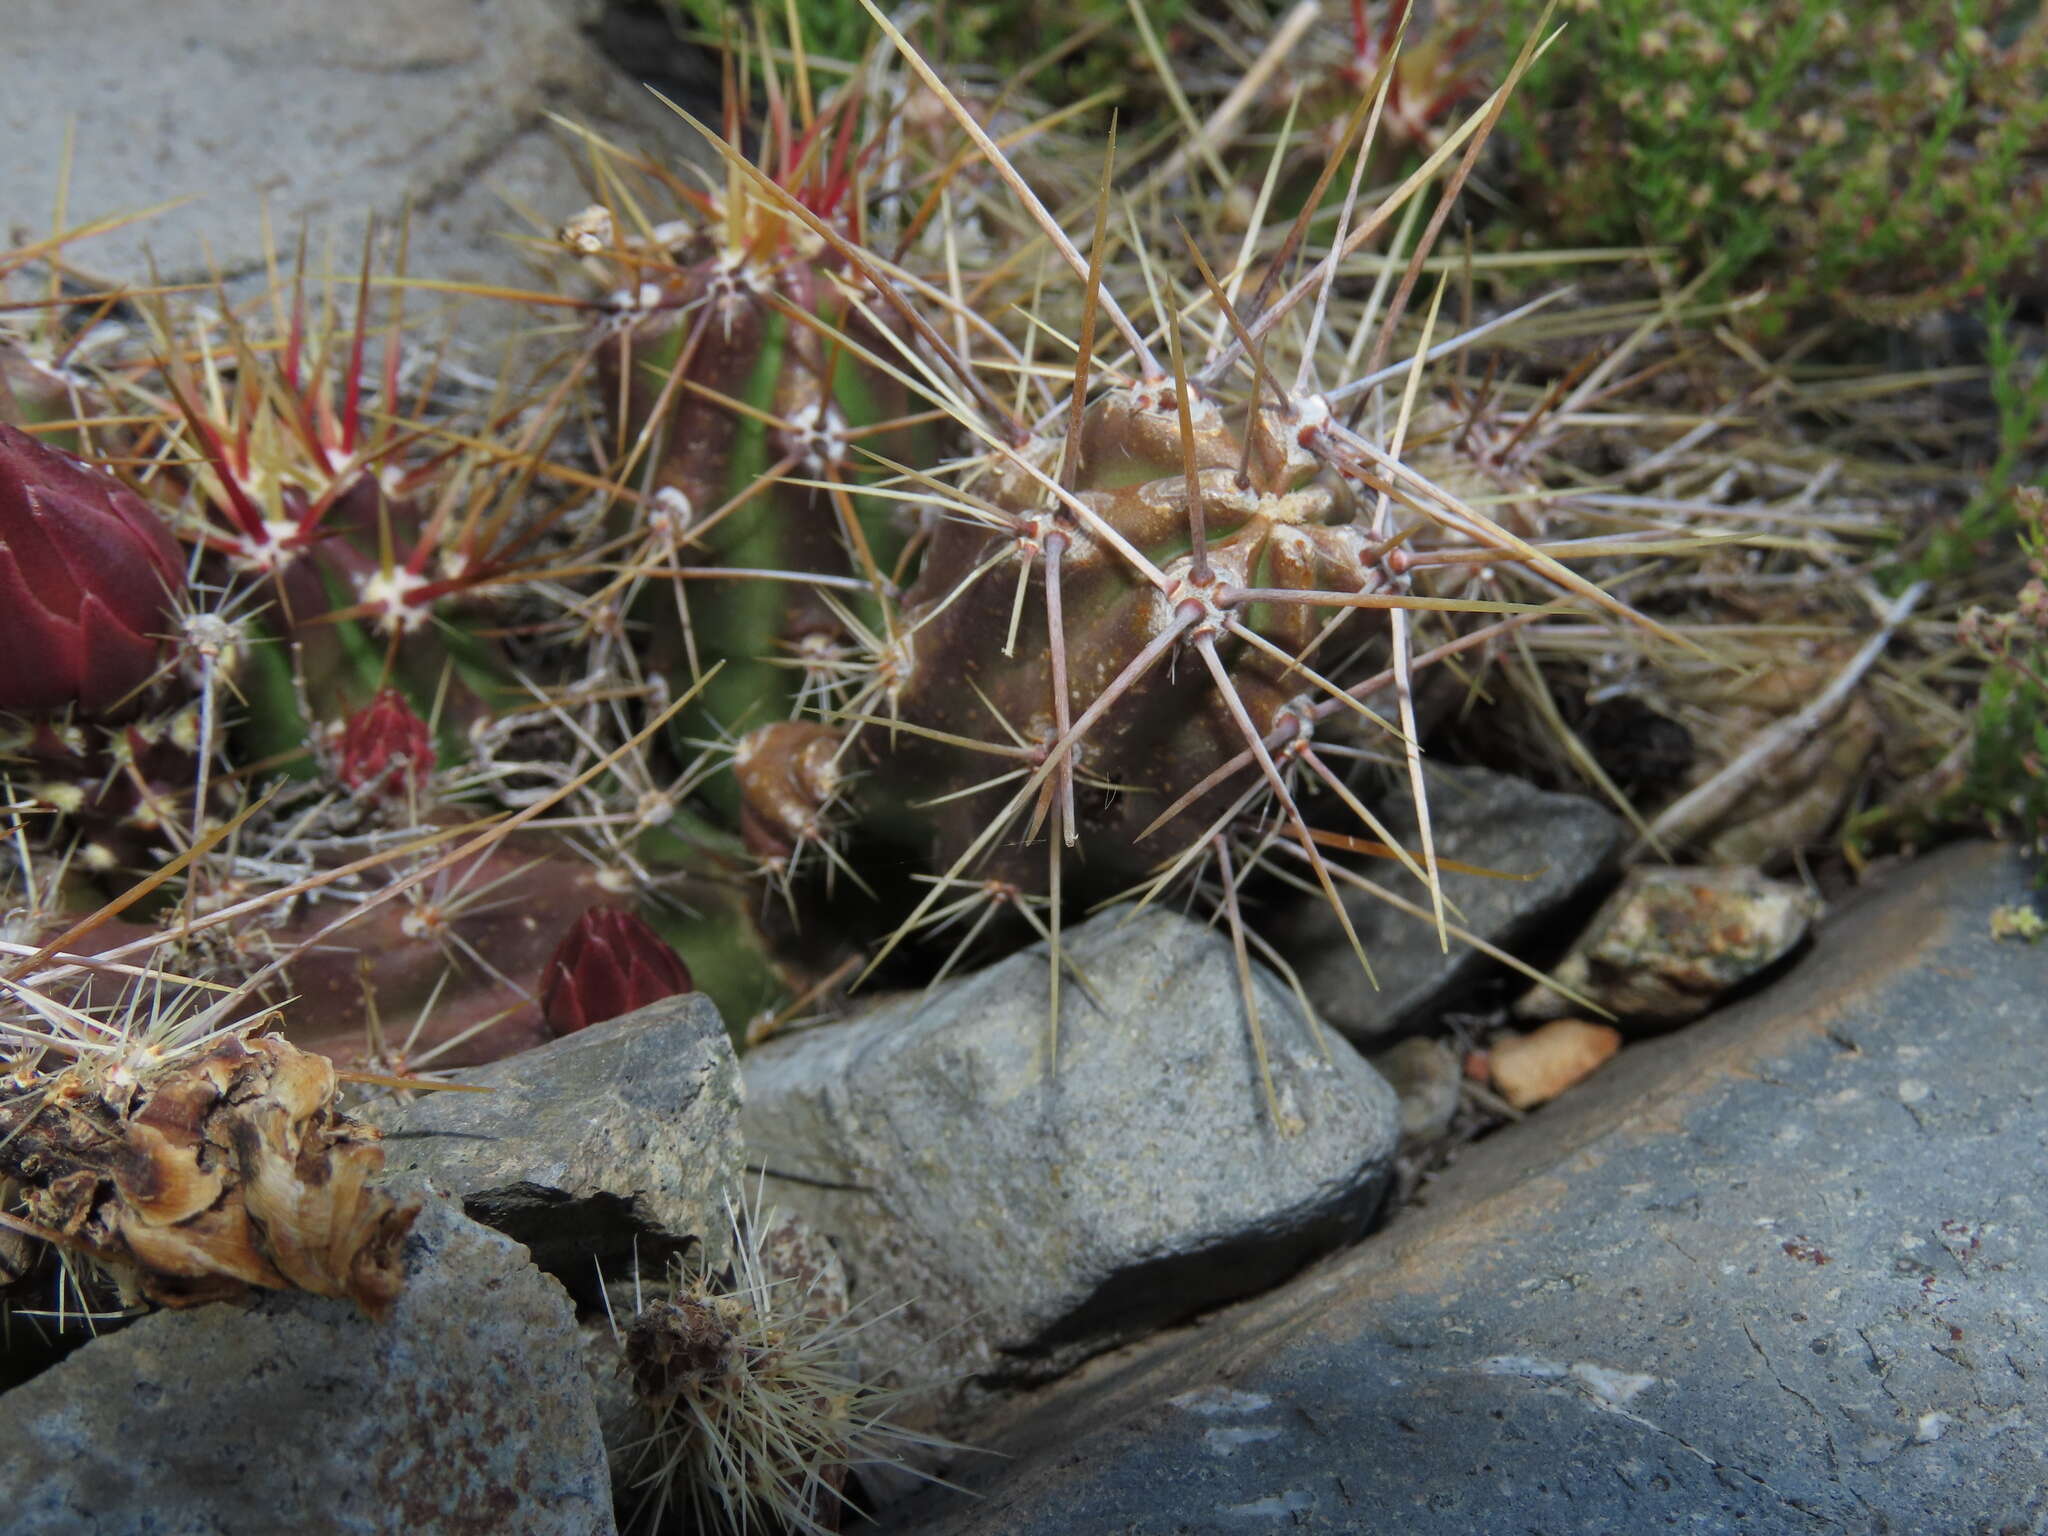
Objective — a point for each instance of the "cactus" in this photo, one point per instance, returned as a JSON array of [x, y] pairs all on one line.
[[347, 552], [738, 365], [748, 1413], [921, 545]]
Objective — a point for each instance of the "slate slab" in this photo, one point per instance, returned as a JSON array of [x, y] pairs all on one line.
[[1782, 1271], [465, 1413]]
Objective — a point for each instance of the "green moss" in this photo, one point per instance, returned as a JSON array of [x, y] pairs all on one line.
[[2008, 775], [1883, 159]]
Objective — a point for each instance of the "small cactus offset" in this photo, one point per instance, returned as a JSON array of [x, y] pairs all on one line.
[[609, 964], [747, 1409]]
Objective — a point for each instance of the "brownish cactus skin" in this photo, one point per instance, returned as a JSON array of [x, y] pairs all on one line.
[[1287, 524], [482, 938], [728, 367], [788, 777], [709, 334], [699, 321]]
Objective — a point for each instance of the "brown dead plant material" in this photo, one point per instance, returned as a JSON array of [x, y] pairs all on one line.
[[215, 1173]]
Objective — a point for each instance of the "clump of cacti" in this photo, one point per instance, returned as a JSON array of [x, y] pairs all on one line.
[[1149, 606], [909, 556]]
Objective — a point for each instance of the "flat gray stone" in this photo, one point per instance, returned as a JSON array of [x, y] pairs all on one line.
[[623, 1131], [466, 1413], [327, 112], [1024, 1214], [1477, 816], [1780, 1272]]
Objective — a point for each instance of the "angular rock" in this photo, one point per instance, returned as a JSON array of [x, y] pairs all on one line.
[[628, 1129], [324, 112], [466, 1413], [1669, 942], [1027, 1214], [1779, 1272], [1478, 817]]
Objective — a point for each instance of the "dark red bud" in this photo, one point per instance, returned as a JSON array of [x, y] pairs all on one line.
[[385, 747], [610, 963], [87, 574]]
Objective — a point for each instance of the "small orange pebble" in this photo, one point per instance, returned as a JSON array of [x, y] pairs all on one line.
[[1535, 1068], [1478, 1065]]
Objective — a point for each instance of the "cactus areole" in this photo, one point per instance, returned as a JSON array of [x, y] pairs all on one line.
[[88, 572]]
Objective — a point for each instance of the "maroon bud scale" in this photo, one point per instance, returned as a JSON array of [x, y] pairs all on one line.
[[610, 963], [88, 572]]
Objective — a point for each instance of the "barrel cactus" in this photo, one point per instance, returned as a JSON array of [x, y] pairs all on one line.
[[1138, 614]]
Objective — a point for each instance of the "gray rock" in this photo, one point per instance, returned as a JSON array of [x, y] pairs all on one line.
[[1780, 1272], [1427, 1076], [626, 1130], [325, 112], [1478, 817], [1026, 1214], [467, 1411], [1669, 942]]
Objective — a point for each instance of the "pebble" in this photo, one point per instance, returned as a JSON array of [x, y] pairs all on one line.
[[1535, 1068], [1671, 941]]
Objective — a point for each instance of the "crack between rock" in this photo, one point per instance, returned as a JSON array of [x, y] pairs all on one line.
[[1725, 1466], [1783, 1385], [1600, 1404]]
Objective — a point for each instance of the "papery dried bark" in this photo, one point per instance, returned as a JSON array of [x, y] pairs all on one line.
[[210, 1175]]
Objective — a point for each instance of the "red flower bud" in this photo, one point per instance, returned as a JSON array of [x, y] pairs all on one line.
[[87, 574], [385, 748], [610, 963]]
